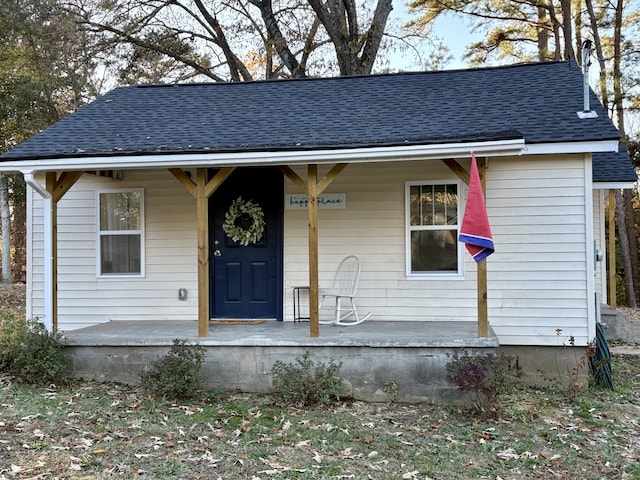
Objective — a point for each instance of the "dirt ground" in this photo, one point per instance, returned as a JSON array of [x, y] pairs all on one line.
[[12, 300]]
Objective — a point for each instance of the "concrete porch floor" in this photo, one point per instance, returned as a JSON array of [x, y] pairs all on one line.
[[273, 333], [412, 355]]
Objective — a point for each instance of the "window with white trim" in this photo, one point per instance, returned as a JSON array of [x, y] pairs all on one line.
[[432, 224], [120, 233]]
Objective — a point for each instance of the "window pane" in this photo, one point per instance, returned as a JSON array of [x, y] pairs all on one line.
[[439, 205], [120, 254], [414, 205], [426, 200], [452, 204], [434, 251], [120, 211]]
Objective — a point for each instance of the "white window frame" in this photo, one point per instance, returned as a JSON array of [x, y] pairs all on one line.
[[457, 275], [100, 233]]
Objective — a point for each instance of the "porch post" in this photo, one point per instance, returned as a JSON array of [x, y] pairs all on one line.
[[201, 190], [202, 214], [313, 188], [483, 316], [613, 295], [57, 187], [312, 192]]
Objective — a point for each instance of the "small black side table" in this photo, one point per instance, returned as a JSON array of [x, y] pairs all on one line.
[[297, 311]]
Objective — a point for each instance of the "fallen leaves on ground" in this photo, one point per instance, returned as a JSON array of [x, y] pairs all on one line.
[[95, 431]]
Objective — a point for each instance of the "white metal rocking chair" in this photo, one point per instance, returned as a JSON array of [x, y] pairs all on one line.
[[344, 287]]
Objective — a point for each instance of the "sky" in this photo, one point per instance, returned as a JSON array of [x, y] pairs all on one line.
[[451, 30]]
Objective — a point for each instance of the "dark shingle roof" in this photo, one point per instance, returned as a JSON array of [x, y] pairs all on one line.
[[613, 167], [537, 102]]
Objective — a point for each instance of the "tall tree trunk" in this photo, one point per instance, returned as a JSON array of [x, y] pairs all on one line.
[[19, 240], [6, 230], [629, 214], [618, 97], [602, 82], [567, 33], [624, 246], [277, 40], [355, 51], [578, 28], [543, 35], [617, 69], [557, 51]]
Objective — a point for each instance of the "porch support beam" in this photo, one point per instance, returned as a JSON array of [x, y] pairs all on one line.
[[312, 194], [202, 190], [57, 187], [464, 175], [613, 294], [294, 177], [313, 188], [330, 176], [322, 184], [202, 214], [184, 179], [458, 169], [483, 315]]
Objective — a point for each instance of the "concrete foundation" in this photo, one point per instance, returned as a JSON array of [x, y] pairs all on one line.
[[619, 326], [553, 366], [240, 357], [410, 355], [418, 373]]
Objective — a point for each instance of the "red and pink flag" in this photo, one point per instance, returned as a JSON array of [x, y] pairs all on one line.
[[475, 231]]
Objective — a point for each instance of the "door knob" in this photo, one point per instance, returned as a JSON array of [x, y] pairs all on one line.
[[217, 253]]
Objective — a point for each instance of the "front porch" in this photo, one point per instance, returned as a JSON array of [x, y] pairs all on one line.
[[240, 357]]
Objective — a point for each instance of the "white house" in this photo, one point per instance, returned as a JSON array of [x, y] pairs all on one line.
[[129, 196]]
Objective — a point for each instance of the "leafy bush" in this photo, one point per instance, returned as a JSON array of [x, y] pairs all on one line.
[[177, 374], [31, 353], [306, 382], [485, 376]]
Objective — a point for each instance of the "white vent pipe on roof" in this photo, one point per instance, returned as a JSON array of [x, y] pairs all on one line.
[[586, 63]]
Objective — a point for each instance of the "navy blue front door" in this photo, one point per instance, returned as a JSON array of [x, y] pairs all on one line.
[[247, 280]]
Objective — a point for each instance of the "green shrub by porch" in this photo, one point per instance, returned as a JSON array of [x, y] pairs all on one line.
[[306, 382], [31, 353]]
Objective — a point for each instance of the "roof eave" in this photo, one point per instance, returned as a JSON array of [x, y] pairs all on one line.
[[261, 158], [614, 185], [494, 148], [591, 146]]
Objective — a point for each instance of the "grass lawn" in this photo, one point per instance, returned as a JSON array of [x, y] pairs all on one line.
[[105, 431], [91, 430]]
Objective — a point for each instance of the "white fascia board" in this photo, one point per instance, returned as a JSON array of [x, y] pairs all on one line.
[[571, 147], [300, 157], [614, 186]]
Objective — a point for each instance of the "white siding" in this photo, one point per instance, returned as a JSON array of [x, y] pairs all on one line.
[[537, 278], [538, 281], [170, 254]]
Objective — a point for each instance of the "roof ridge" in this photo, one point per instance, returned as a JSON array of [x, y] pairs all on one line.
[[362, 76]]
